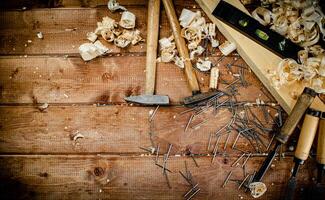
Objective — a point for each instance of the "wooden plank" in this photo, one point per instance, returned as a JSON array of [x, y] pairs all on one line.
[[111, 129], [90, 177], [18, 4], [20, 26], [103, 80], [257, 57]]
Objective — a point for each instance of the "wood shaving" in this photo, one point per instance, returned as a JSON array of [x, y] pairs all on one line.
[[43, 107], [198, 51], [127, 20], [194, 30], [227, 47], [91, 36], [167, 50], [310, 72], [214, 77], [76, 136], [187, 17], [109, 31], [107, 24], [203, 65], [179, 61], [300, 21], [113, 5], [128, 37], [89, 51], [257, 189]]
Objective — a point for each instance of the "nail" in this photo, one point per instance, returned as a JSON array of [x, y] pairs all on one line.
[[191, 190], [188, 123], [227, 179], [198, 190], [238, 159], [249, 155], [243, 182], [153, 114]]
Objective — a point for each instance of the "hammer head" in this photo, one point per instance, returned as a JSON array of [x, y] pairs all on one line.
[[148, 99]]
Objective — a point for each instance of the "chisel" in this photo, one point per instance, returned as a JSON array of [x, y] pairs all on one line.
[[303, 102], [317, 191], [320, 156], [305, 141]]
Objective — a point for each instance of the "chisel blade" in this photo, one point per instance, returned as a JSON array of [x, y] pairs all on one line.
[[266, 164], [149, 99], [290, 192]]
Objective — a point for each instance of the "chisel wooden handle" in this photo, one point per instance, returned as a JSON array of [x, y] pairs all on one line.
[[303, 102], [152, 45], [181, 46], [307, 134], [320, 156]]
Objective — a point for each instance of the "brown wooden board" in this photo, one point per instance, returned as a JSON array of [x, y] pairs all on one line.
[[38, 156], [19, 4], [65, 29], [102, 177], [103, 80], [112, 130]]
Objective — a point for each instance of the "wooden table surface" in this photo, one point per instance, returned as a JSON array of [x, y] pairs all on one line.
[[38, 158]]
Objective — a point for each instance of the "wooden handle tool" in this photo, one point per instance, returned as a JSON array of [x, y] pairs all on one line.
[[307, 134], [152, 45], [320, 156], [306, 138], [303, 102], [181, 46]]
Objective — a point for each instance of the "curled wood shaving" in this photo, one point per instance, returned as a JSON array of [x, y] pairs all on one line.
[[89, 51], [113, 5], [107, 24], [128, 37], [43, 107], [127, 20], [227, 47], [91, 36], [195, 29], [303, 23], [40, 35], [300, 21], [257, 189], [310, 71], [179, 61], [187, 17], [167, 49], [262, 15], [204, 65], [76, 136], [198, 51]]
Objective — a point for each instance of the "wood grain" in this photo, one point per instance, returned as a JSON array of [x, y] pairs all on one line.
[[111, 130], [93, 177], [103, 80], [18, 4], [66, 24]]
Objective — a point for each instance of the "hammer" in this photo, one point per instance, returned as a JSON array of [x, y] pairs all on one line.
[[152, 43], [197, 96]]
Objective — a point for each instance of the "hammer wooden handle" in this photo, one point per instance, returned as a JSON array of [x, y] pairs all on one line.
[[307, 135], [152, 45], [320, 156], [303, 102], [181, 46]]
